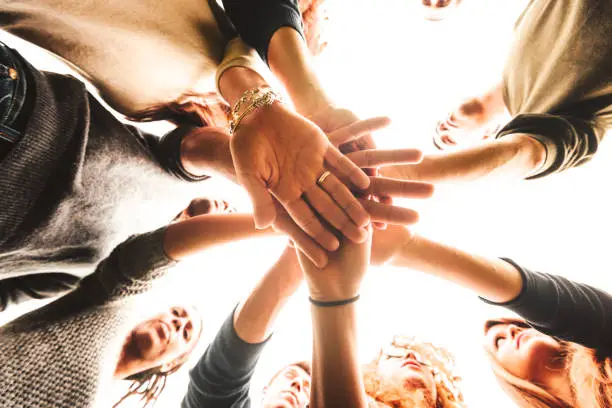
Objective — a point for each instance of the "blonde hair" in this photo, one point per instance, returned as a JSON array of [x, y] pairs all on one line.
[[590, 378], [443, 363]]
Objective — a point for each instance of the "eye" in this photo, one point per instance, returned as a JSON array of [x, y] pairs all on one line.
[[498, 340], [175, 312]]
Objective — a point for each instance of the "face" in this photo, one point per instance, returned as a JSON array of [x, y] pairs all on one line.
[[522, 351], [290, 388], [404, 373], [436, 10], [165, 337]]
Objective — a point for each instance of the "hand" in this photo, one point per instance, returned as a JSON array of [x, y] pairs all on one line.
[[333, 120], [342, 276], [387, 243], [378, 211], [381, 208], [275, 151]]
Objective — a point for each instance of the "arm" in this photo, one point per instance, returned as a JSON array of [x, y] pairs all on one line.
[[21, 289], [530, 146], [336, 371], [257, 20], [336, 378], [515, 156], [552, 304], [223, 374], [136, 263]]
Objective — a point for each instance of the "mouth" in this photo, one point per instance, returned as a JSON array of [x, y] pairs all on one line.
[[412, 364], [291, 398]]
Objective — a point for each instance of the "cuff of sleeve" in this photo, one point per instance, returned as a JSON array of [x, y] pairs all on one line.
[[548, 130], [239, 353], [238, 54], [517, 301], [169, 154]]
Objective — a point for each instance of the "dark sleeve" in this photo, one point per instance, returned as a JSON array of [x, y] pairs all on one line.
[[167, 151], [130, 269], [564, 309], [569, 141], [17, 290], [222, 377], [257, 20]]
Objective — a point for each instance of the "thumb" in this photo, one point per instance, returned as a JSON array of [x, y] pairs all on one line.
[[263, 202]]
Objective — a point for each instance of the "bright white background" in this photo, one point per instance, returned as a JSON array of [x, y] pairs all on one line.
[[384, 58]]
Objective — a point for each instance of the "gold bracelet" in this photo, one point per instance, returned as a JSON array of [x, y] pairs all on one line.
[[255, 98]]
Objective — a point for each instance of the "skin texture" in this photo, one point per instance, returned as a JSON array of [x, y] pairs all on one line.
[[159, 341], [290, 388], [523, 352], [337, 379]]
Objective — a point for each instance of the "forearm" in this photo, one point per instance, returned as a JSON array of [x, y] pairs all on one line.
[[491, 278], [236, 80], [255, 317], [337, 379], [189, 237], [513, 157], [290, 61]]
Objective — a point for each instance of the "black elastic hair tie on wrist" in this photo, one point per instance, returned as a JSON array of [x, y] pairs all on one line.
[[333, 303]]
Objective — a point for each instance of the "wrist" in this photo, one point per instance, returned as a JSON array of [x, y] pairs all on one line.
[[332, 294], [333, 303], [236, 80]]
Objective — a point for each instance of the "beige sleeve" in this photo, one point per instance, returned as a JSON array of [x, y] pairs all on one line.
[[238, 54]]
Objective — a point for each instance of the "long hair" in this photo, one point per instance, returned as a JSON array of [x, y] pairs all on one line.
[[590, 378], [149, 384], [443, 363]]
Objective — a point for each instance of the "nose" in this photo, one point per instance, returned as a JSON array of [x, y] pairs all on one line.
[[513, 330], [179, 322], [297, 384]]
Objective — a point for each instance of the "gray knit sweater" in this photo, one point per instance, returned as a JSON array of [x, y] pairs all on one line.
[[77, 184], [64, 354]]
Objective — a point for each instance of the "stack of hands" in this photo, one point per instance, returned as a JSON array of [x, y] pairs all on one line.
[[302, 184]]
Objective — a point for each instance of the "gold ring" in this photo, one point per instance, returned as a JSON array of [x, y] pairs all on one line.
[[322, 177]]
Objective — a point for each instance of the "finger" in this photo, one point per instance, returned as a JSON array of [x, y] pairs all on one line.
[[390, 214], [263, 202], [299, 239], [334, 215], [382, 186], [357, 129], [377, 157], [346, 168], [345, 199], [305, 218]]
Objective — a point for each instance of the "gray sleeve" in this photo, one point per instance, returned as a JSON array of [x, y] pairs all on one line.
[[222, 376], [564, 309], [130, 269], [20, 289]]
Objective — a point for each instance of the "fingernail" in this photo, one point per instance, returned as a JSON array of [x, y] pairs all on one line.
[[334, 245]]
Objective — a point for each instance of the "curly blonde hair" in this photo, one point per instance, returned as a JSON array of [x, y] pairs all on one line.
[[442, 362]]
